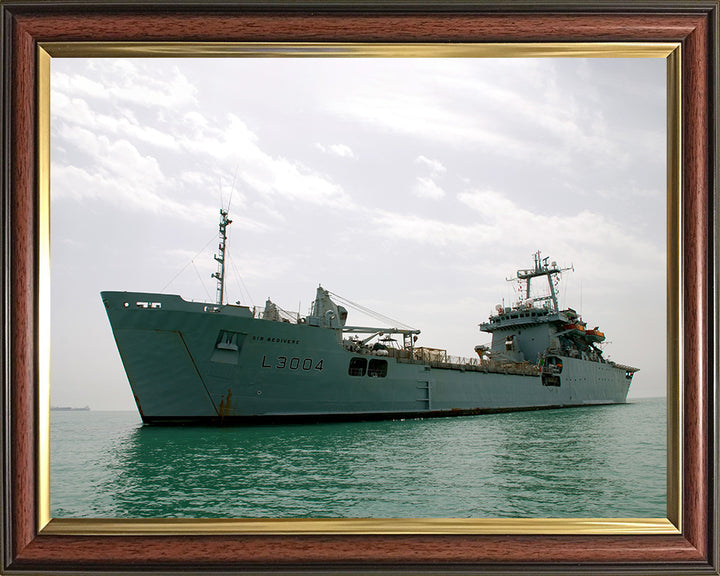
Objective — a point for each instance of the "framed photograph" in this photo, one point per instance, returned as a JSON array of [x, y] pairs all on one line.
[[438, 39], [390, 180]]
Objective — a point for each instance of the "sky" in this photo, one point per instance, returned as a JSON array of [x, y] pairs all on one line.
[[414, 187]]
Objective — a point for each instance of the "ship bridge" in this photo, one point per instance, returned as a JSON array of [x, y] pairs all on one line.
[[526, 316], [524, 331]]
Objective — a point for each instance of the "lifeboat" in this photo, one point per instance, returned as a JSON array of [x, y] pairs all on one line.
[[595, 335], [577, 329]]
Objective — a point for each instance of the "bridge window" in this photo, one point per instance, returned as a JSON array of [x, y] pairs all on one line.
[[358, 367]]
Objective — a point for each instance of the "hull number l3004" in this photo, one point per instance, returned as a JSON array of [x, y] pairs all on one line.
[[294, 363]]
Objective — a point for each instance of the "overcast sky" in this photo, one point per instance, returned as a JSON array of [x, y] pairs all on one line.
[[414, 187]]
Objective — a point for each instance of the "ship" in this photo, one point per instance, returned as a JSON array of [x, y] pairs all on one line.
[[220, 363], [69, 409]]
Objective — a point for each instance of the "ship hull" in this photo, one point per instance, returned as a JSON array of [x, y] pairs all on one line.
[[193, 362]]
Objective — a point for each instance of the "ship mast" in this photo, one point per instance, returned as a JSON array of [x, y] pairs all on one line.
[[220, 274], [541, 268]]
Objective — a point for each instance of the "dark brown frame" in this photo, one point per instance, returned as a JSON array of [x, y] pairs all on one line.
[[25, 24]]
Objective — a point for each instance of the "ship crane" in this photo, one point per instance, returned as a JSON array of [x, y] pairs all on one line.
[[541, 268]]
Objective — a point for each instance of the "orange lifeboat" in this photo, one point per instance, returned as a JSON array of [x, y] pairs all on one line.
[[595, 335], [574, 328]]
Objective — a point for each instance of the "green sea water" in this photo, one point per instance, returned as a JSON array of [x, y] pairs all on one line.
[[604, 461]]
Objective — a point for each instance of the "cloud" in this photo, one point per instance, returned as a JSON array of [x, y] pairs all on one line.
[[122, 82], [425, 118], [103, 152], [427, 188], [517, 109], [69, 110], [429, 231], [436, 167], [583, 235], [121, 178], [339, 150], [490, 204], [521, 226], [292, 181]]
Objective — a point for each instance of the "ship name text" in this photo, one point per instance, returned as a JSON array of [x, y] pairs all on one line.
[[275, 340]]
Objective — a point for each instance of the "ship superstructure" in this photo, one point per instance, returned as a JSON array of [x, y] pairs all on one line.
[[216, 362], [535, 330]]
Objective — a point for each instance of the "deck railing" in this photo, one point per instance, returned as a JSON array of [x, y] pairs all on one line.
[[473, 365]]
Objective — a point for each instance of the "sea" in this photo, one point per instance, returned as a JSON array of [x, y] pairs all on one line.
[[589, 462]]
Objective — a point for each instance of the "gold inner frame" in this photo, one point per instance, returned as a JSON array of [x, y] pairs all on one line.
[[586, 526]]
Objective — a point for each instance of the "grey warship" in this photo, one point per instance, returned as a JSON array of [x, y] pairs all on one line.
[[218, 363]]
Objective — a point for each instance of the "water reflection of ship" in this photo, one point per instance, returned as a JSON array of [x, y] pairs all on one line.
[[541, 463], [196, 472]]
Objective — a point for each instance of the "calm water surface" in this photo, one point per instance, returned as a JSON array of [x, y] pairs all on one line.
[[606, 461]]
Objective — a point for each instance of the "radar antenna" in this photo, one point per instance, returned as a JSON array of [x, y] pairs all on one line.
[[220, 274], [541, 268]]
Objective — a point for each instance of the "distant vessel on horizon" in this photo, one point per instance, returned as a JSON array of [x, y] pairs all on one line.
[[69, 409], [223, 363]]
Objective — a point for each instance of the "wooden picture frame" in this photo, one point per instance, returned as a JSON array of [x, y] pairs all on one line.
[[687, 543]]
